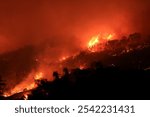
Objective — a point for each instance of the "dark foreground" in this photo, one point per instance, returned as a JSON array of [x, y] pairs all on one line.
[[94, 83]]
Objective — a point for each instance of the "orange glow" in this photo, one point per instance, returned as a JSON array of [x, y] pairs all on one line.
[[31, 86], [63, 58], [20, 88], [94, 41], [109, 37], [39, 76], [6, 95], [26, 85], [81, 67], [25, 96], [97, 43]]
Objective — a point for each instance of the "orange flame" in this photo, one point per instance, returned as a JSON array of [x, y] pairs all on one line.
[[24, 86], [97, 40], [25, 96], [109, 37], [94, 41], [38, 76]]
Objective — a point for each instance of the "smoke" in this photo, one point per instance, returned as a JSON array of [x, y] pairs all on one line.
[[68, 24], [59, 28]]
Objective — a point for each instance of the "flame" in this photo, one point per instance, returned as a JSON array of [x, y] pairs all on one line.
[[38, 76], [96, 41], [20, 88], [95, 44], [26, 85], [31, 86], [25, 96], [109, 36]]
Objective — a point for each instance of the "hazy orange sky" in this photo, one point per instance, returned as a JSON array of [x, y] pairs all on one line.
[[68, 23]]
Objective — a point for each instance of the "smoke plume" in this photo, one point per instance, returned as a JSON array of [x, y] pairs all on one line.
[[68, 24]]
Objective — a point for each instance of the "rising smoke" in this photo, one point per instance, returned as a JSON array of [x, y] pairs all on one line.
[[68, 24]]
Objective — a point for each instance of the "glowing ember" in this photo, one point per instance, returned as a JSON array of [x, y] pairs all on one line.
[[25, 96], [5, 95], [81, 67], [63, 58]]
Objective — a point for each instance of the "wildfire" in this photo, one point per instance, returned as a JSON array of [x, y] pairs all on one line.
[[25, 86], [94, 44], [109, 37], [94, 41], [38, 76], [98, 40], [31, 86]]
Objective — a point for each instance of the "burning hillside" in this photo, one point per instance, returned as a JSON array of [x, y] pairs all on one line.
[[107, 50], [39, 39], [98, 40]]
